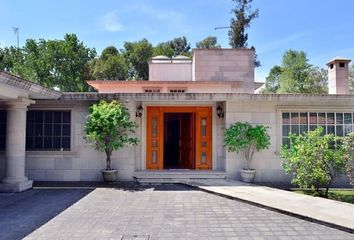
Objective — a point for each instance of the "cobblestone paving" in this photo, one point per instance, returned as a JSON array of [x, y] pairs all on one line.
[[175, 212]]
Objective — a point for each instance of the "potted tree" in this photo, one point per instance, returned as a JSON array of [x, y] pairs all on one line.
[[109, 128], [242, 136]]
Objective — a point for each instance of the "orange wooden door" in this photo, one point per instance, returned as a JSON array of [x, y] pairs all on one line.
[[203, 138], [186, 141], [154, 138]]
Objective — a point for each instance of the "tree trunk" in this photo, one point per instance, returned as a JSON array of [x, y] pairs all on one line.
[[108, 160]]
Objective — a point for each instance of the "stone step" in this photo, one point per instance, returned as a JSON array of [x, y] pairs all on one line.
[[176, 176]]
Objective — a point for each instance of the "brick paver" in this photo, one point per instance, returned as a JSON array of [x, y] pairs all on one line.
[[174, 212]]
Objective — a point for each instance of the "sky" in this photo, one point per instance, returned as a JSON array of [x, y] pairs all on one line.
[[323, 29]]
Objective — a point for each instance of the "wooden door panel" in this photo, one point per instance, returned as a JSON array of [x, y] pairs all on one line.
[[203, 138], [154, 139], [187, 141]]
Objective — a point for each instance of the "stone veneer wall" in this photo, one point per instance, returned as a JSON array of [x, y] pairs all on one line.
[[268, 162], [83, 162], [225, 65]]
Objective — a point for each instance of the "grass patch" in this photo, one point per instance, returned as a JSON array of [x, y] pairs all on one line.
[[343, 195]]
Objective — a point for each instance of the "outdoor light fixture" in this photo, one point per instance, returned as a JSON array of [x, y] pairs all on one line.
[[219, 111], [139, 111]]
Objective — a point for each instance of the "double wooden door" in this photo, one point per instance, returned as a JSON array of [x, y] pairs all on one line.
[[194, 137]]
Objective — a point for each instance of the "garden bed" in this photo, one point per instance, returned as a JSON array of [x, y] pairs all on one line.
[[343, 195]]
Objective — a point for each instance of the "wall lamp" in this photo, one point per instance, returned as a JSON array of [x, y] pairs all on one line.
[[139, 111], [219, 111]]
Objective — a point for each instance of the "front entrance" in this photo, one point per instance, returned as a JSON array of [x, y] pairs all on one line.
[[178, 138]]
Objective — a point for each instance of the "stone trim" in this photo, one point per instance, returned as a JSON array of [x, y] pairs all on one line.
[[340, 99], [15, 81]]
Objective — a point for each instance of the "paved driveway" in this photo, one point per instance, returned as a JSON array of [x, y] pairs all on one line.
[[160, 212]]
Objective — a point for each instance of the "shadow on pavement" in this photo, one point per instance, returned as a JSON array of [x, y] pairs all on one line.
[[22, 213]]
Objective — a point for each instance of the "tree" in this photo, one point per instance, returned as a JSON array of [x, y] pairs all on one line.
[[62, 64], [351, 78], [137, 54], [244, 14], [110, 65], [109, 128], [273, 80], [70, 59], [243, 137], [296, 75], [180, 46], [209, 42], [315, 160], [163, 49]]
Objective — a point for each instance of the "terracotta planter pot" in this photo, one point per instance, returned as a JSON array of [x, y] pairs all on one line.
[[110, 176], [248, 175]]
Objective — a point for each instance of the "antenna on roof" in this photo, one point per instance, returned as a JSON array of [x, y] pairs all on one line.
[[217, 28]]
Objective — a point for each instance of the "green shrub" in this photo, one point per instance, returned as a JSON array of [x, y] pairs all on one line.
[[243, 137], [314, 160], [108, 128]]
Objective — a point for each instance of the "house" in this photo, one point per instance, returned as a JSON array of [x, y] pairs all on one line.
[[182, 112]]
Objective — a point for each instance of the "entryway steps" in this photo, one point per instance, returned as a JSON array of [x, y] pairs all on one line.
[[177, 176]]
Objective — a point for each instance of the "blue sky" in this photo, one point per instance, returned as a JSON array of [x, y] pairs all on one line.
[[322, 28]]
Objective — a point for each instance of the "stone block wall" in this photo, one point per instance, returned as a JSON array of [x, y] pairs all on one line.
[[83, 162], [225, 65], [267, 162]]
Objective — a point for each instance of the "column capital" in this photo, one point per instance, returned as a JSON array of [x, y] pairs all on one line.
[[19, 103]]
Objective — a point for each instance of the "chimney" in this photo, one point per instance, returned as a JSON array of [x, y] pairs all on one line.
[[338, 76]]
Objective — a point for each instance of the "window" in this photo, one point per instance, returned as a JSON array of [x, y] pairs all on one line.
[[152, 90], [339, 124], [48, 130], [177, 90], [2, 130], [342, 65]]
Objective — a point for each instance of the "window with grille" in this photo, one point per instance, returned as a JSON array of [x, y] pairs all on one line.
[[177, 90], [152, 90], [337, 123], [48, 130]]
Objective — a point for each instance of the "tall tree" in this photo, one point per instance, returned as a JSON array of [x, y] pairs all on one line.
[[180, 46], [137, 54], [351, 78], [273, 80], [244, 14], [70, 59], [163, 49], [296, 75], [61, 64], [110, 65], [209, 42]]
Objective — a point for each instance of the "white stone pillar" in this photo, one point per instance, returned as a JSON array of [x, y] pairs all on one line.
[[15, 151]]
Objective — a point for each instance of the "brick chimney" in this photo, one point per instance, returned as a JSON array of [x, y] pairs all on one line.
[[338, 76]]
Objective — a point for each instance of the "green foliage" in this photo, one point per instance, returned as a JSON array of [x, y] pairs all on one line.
[[109, 128], [243, 137], [244, 14], [110, 65], [137, 55], [273, 79], [180, 46], [62, 64], [314, 160], [296, 75], [209, 42], [163, 49], [351, 78]]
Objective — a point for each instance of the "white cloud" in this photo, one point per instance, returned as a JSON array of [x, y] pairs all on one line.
[[173, 18], [109, 22]]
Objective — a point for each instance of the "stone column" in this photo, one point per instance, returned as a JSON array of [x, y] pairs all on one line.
[[15, 151]]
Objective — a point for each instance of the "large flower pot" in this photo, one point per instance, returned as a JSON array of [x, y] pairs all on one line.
[[110, 176], [247, 175]]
